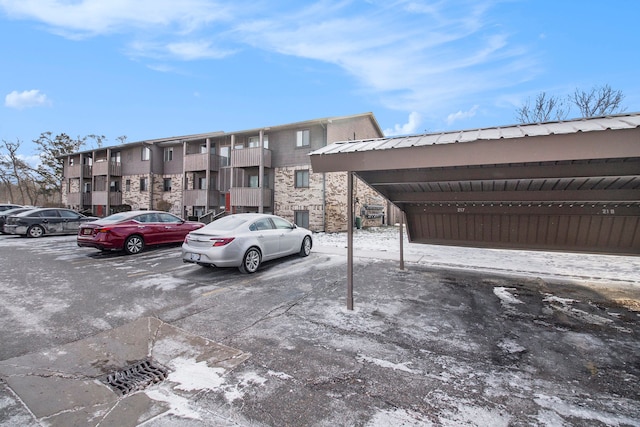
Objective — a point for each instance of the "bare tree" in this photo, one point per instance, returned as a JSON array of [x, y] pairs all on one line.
[[50, 149], [599, 101], [545, 108], [17, 175]]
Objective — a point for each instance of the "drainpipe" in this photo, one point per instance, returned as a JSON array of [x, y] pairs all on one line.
[[184, 177], [108, 212], [231, 171], [261, 174], [207, 175]]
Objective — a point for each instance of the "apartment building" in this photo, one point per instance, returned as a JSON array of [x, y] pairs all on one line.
[[257, 170]]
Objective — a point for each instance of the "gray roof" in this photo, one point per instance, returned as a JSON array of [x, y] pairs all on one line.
[[621, 121]]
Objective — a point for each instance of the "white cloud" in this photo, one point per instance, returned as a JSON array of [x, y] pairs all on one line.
[[461, 115], [26, 99], [408, 128], [91, 17]]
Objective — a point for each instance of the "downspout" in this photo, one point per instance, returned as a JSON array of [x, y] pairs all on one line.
[[261, 174], [207, 174], [183, 207], [108, 210]]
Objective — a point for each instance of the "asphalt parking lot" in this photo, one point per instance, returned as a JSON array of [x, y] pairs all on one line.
[[430, 345]]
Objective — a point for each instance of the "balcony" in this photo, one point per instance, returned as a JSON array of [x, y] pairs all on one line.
[[74, 199], [107, 168], [101, 197], [250, 197], [75, 171], [199, 198], [250, 157], [201, 162]]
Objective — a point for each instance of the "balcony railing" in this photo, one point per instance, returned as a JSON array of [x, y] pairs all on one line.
[[79, 199], [250, 197], [250, 157], [101, 197], [107, 168], [199, 197], [75, 171], [201, 162]]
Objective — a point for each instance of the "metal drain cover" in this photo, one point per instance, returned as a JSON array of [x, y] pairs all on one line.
[[136, 377]]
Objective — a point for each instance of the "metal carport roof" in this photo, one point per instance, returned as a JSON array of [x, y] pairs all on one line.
[[567, 185]]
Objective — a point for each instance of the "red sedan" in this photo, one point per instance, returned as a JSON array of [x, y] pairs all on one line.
[[132, 231]]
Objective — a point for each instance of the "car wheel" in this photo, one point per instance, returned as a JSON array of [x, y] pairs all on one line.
[[305, 249], [35, 231], [134, 244], [250, 261]]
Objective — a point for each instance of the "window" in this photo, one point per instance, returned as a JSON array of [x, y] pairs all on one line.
[[166, 184], [203, 148], [168, 154], [261, 224], [302, 179], [115, 157], [281, 224], [254, 141], [127, 184], [143, 184], [301, 218], [225, 154], [114, 186], [202, 183], [146, 153], [253, 181], [302, 138], [71, 161], [87, 187]]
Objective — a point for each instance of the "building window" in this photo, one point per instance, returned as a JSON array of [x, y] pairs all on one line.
[[166, 186], [115, 157], [146, 153], [254, 141], [302, 179], [127, 184], [302, 138], [71, 161], [225, 156], [301, 218], [168, 154], [143, 184], [253, 181], [114, 186], [87, 187], [202, 183]]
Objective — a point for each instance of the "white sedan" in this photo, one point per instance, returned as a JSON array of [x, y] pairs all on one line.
[[245, 241]]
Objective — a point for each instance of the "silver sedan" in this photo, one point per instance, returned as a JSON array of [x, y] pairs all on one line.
[[245, 241]]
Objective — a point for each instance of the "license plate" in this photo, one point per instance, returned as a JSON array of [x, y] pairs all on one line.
[[87, 231], [195, 257]]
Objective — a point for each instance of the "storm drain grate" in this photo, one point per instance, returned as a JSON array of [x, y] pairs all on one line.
[[136, 377]]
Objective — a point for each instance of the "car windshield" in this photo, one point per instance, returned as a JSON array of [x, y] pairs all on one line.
[[226, 223]]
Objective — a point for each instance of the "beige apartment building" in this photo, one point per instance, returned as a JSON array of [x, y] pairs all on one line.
[[200, 176]]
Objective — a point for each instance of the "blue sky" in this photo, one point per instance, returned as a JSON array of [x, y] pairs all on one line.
[[149, 69]]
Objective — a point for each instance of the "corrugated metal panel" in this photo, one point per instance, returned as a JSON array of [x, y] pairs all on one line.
[[626, 121]]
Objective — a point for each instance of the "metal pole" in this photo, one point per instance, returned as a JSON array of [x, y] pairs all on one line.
[[349, 241], [401, 240]]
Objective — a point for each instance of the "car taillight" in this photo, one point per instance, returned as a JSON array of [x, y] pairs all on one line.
[[221, 241], [102, 230]]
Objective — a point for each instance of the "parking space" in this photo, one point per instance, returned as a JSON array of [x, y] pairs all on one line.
[[428, 345]]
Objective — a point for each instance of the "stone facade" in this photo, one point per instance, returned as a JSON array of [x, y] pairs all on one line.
[[336, 202]]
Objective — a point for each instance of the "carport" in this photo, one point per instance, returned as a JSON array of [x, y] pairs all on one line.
[[567, 186]]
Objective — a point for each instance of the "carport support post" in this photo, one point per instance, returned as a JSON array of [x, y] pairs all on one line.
[[349, 240], [401, 240]]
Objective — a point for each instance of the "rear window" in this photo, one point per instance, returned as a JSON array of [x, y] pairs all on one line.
[[225, 223], [116, 217]]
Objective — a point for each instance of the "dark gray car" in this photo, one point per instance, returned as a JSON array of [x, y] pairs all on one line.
[[41, 221]]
